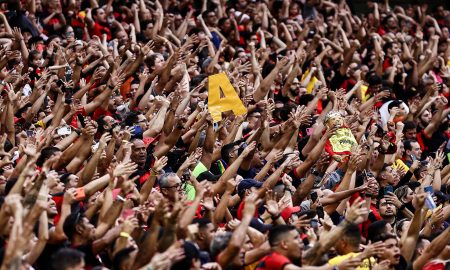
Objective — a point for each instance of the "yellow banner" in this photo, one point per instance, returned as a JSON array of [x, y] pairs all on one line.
[[230, 100], [343, 140]]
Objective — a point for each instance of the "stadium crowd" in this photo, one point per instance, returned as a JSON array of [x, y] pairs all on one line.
[[111, 157]]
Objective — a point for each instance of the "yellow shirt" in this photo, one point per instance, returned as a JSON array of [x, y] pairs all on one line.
[[365, 264]]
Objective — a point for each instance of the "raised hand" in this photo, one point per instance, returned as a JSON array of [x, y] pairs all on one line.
[[124, 168], [116, 80], [356, 212], [103, 142], [160, 163], [271, 205], [249, 149]]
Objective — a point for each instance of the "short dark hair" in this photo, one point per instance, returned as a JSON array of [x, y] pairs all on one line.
[[352, 235], [375, 229], [277, 232], [191, 253], [385, 236], [71, 222], [46, 153], [409, 125], [226, 150], [121, 256], [202, 223], [66, 258], [408, 144]]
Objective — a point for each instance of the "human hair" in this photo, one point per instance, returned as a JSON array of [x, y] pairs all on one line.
[[131, 118], [352, 235], [409, 125], [278, 232], [164, 179], [389, 44], [401, 192], [374, 80], [46, 153], [202, 223], [23, 109], [219, 243], [399, 226], [94, 11], [65, 178], [407, 144], [150, 61], [191, 253], [32, 55], [121, 256], [101, 124], [375, 229], [71, 222], [66, 258], [226, 151], [394, 103], [384, 236]]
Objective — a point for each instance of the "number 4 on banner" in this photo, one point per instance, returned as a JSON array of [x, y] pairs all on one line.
[[229, 102]]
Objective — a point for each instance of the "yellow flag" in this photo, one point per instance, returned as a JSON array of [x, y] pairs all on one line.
[[343, 140], [229, 102], [312, 82], [364, 94]]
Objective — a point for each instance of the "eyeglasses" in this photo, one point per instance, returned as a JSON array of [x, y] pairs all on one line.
[[177, 186]]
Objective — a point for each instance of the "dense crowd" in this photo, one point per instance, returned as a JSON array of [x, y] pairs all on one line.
[[113, 155]]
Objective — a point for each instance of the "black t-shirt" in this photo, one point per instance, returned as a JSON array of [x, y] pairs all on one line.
[[90, 258], [403, 264], [337, 80], [45, 259]]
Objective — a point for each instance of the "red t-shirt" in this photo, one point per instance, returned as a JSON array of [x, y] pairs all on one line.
[[99, 30], [273, 261]]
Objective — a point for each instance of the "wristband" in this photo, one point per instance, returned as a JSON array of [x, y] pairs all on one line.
[[402, 207], [120, 198], [276, 217], [124, 234]]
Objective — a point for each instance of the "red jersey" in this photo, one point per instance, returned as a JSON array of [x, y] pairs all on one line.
[[273, 261]]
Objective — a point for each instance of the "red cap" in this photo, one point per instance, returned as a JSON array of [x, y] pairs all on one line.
[[288, 211]]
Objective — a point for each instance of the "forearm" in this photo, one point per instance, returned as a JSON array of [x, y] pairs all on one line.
[[96, 185], [147, 187], [208, 146], [229, 173], [89, 170], [303, 189], [264, 87]]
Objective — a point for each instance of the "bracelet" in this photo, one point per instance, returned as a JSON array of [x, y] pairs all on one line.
[[402, 207], [124, 234], [276, 217], [120, 198]]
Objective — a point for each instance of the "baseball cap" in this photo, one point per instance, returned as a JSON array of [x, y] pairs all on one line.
[[248, 183]]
